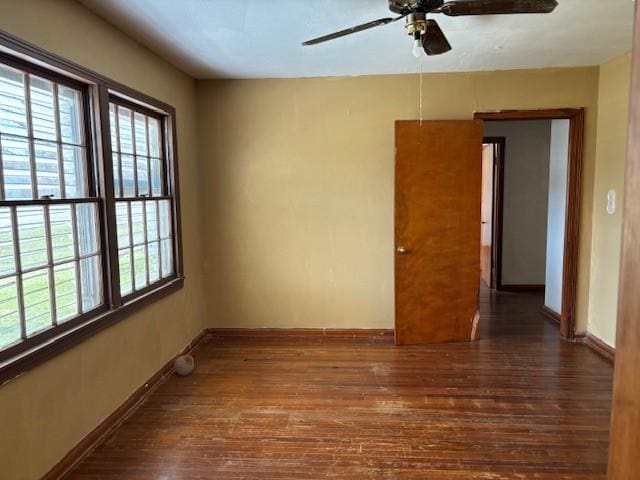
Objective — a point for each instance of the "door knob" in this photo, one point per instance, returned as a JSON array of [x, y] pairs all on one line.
[[401, 250]]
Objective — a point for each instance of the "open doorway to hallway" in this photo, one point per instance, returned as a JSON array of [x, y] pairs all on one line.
[[529, 202]]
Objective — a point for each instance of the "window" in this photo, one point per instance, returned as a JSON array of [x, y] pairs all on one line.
[[50, 260], [145, 246], [74, 252]]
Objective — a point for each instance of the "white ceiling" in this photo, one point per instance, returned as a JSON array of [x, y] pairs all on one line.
[[261, 38]]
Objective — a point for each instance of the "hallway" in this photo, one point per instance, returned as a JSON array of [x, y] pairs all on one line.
[[519, 404]]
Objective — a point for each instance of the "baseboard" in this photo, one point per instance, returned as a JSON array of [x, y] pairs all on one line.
[[601, 348], [521, 288], [113, 421], [551, 314], [301, 332]]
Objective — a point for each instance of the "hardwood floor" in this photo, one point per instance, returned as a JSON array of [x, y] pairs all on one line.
[[519, 404]]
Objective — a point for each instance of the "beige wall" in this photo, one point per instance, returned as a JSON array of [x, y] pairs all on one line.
[[48, 410], [299, 186], [611, 151], [526, 191]]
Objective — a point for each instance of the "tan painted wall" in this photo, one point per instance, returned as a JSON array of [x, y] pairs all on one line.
[[299, 186], [48, 410], [613, 115]]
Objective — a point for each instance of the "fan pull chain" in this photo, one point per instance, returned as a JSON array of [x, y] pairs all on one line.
[[421, 74]]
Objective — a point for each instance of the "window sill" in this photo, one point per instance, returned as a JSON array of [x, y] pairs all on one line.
[[21, 363]]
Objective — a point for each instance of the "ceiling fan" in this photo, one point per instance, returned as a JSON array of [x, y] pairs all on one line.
[[427, 33]]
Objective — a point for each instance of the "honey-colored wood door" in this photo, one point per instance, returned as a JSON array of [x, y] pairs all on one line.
[[437, 230]]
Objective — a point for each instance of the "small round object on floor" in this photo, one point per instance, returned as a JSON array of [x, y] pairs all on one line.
[[184, 365]]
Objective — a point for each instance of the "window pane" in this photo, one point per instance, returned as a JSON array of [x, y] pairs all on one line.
[[87, 228], [47, 169], [7, 260], [37, 300], [66, 291], [113, 127], [137, 222], [165, 218], [154, 261], [33, 247], [75, 180], [61, 232], [128, 180], [122, 222], [13, 111], [156, 176], [117, 191], [166, 254], [90, 282], [143, 175], [124, 257], [141, 134], [124, 125], [43, 115], [9, 314], [152, 221], [70, 105], [140, 265], [16, 168], [155, 146]]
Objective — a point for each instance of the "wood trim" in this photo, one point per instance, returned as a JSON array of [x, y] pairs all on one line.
[[574, 192], [498, 211], [522, 288], [550, 314], [99, 434], [109, 226], [302, 332], [542, 114], [601, 348], [624, 461]]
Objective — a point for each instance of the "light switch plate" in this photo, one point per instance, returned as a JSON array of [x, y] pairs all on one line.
[[611, 202]]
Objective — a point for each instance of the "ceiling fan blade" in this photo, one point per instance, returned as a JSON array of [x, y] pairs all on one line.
[[349, 31], [497, 7], [434, 40]]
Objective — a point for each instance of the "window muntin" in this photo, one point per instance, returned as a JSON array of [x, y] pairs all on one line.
[[50, 249], [143, 209], [42, 138]]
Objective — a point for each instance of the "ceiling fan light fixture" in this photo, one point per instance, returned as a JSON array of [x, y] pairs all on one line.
[[418, 49], [416, 23]]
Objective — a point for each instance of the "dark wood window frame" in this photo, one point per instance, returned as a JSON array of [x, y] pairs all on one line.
[[98, 92]]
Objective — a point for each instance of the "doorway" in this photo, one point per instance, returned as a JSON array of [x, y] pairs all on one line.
[[493, 149], [561, 219]]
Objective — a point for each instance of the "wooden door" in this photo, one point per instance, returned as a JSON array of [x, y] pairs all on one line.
[[624, 461], [486, 214], [437, 230]]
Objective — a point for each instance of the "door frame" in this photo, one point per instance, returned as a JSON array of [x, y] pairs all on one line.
[[574, 194], [497, 210]]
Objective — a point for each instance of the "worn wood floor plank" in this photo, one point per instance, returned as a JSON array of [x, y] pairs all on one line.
[[519, 404]]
